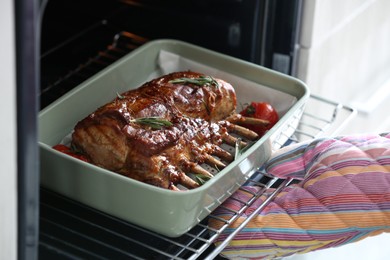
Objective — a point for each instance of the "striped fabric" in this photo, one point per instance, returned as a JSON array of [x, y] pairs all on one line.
[[344, 196]]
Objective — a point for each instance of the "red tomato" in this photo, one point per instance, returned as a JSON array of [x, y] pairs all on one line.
[[61, 148], [260, 110], [67, 150]]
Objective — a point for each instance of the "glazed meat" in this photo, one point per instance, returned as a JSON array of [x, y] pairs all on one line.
[[161, 132]]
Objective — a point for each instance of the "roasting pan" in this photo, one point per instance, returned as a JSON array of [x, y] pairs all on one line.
[[167, 212]]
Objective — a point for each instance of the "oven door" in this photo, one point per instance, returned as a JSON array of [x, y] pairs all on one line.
[[20, 186]]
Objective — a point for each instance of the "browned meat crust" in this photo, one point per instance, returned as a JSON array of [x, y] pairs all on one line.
[[114, 139]]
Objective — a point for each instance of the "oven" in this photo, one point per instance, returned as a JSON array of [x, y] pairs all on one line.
[[60, 44], [74, 35]]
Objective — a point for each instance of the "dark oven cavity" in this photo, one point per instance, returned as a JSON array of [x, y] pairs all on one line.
[[79, 38]]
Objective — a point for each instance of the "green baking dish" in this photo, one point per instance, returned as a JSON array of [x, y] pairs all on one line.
[[167, 212]]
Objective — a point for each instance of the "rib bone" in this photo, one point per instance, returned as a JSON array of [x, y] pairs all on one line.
[[245, 132], [221, 153], [214, 162], [240, 119], [231, 140]]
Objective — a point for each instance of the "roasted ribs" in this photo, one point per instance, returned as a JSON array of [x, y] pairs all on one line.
[[161, 132]]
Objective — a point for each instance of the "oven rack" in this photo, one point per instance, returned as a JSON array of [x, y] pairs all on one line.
[[122, 43], [70, 230]]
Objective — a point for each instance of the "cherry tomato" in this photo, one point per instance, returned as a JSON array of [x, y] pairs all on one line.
[[67, 150], [260, 110]]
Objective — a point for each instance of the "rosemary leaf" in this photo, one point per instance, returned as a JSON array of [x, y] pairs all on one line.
[[237, 150], [202, 80], [119, 96], [240, 150], [153, 122], [201, 179]]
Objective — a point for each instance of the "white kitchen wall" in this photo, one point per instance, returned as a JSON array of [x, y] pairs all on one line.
[[372, 248], [345, 56], [8, 196]]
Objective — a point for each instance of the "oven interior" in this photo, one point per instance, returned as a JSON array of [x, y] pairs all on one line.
[[80, 38]]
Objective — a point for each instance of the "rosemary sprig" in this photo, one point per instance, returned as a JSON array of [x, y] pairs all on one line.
[[202, 80], [239, 149], [201, 179], [153, 122], [119, 96]]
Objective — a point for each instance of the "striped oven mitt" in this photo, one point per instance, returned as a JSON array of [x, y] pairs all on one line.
[[343, 197]]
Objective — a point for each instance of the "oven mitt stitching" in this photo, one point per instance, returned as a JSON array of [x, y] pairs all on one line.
[[327, 193]]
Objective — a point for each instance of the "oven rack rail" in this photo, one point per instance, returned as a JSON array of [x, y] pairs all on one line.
[[72, 230]]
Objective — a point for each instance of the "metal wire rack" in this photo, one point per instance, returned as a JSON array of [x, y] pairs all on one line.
[[72, 230], [336, 117]]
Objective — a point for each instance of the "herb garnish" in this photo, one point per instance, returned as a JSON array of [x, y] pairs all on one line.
[[153, 122], [119, 96], [250, 109], [201, 179], [202, 80], [239, 149]]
